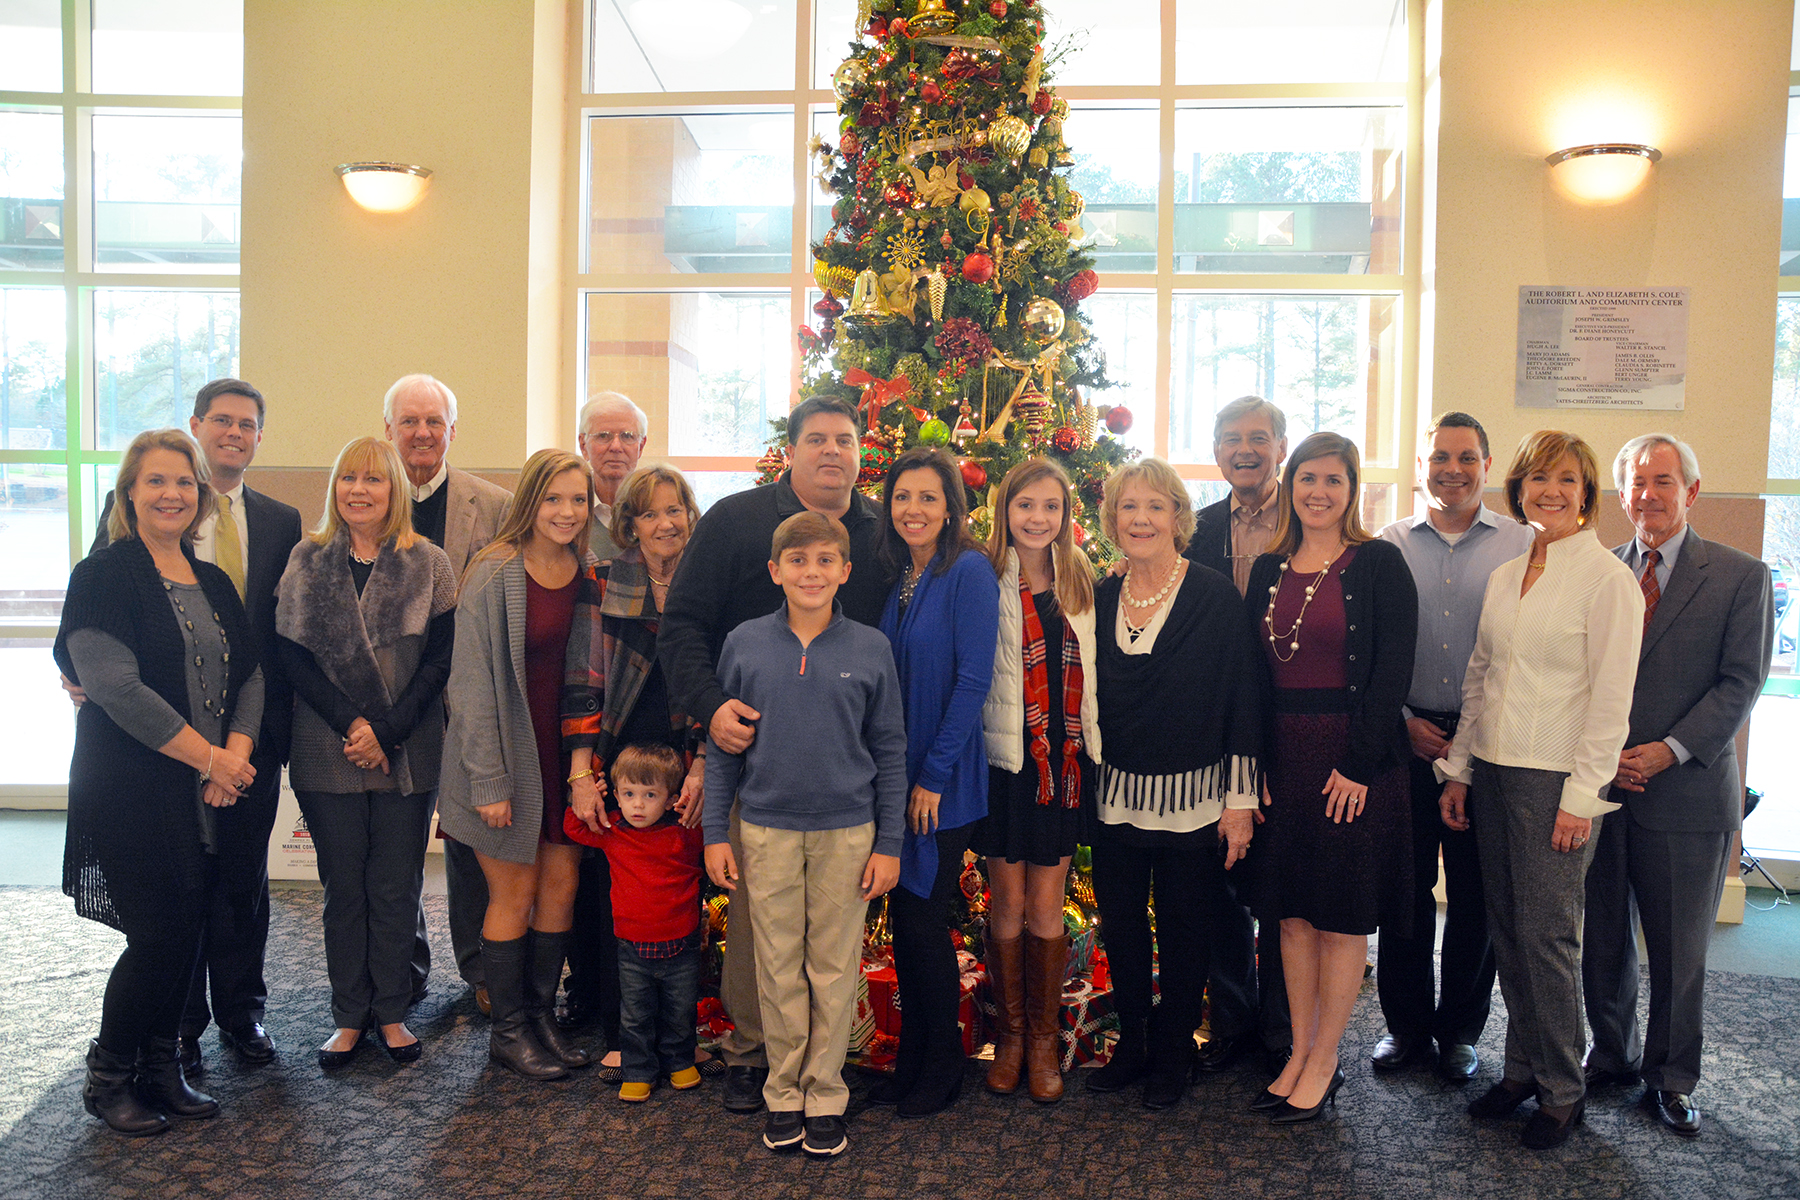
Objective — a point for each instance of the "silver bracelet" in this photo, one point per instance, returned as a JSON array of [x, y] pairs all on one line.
[[206, 775]]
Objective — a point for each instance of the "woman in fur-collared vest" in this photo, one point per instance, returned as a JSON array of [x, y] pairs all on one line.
[[366, 618]]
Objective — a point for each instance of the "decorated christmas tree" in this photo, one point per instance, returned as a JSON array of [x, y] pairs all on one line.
[[951, 271]]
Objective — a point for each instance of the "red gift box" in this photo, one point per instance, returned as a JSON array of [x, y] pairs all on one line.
[[880, 1004]]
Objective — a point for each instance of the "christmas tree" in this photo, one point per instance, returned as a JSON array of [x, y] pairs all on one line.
[[951, 275]]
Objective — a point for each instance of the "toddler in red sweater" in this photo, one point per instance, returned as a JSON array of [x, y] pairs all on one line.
[[655, 866]]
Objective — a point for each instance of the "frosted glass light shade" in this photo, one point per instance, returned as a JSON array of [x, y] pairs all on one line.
[[385, 187], [1603, 173]]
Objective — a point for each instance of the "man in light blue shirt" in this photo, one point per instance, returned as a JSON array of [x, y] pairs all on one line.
[[1452, 548]]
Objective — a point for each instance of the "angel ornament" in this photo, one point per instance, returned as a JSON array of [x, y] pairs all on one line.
[[938, 188]]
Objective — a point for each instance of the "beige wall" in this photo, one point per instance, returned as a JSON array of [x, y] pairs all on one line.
[[1703, 80], [468, 286]]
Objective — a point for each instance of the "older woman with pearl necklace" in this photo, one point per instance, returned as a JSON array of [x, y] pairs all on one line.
[[1336, 614], [1181, 723]]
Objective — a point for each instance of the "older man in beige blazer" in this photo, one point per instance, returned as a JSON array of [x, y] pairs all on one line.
[[460, 512]]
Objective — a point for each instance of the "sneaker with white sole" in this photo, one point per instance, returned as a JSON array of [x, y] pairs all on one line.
[[784, 1130], [825, 1136]]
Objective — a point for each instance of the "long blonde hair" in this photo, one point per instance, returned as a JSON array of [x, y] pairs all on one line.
[[378, 458], [1074, 573], [521, 515], [121, 523]]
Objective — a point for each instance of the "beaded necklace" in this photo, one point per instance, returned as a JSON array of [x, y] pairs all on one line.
[[1292, 636], [192, 637]]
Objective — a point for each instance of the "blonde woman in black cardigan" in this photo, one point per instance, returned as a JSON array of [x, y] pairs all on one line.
[[1335, 614]]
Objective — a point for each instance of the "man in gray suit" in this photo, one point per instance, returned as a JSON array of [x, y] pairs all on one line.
[[1708, 624], [460, 512]]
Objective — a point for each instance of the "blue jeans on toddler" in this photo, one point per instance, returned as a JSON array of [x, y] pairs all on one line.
[[656, 1012]]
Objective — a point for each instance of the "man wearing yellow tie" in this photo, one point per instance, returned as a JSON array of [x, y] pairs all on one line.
[[249, 537]]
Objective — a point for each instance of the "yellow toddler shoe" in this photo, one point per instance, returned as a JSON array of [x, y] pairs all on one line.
[[635, 1093], [687, 1077]]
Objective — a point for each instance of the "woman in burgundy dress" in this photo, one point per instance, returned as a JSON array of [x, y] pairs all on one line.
[[1335, 612], [506, 778]]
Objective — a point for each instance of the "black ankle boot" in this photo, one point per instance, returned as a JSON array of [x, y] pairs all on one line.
[[110, 1096], [544, 960], [510, 1040], [162, 1084], [1126, 1067]]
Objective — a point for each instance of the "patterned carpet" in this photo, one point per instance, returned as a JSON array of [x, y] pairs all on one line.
[[452, 1127]]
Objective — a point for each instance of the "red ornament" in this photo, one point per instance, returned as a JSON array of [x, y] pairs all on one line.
[[978, 268], [945, 240], [965, 180], [851, 145], [1066, 440], [898, 194], [897, 27], [1080, 286], [931, 93], [1079, 532], [997, 10], [1040, 103], [1118, 419], [974, 474], [829, 307]]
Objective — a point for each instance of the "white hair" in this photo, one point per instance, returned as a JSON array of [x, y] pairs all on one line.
[[407, 383], [607, 401], [1635, 448]]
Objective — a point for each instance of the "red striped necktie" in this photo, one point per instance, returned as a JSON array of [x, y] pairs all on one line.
[[1652, 593]]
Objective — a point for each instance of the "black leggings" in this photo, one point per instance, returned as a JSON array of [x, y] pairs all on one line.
[[148, 988], [925, 958], [1125, 875]]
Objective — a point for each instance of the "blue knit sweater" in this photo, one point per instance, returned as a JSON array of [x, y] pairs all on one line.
[[830, 748], [944, 648]]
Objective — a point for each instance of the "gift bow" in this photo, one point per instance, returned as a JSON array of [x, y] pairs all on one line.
[[878, 393], [961, 65]]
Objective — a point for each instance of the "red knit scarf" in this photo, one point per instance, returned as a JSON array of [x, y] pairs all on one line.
[[1037, 702]]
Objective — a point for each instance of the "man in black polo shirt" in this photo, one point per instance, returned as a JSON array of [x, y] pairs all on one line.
[[724, 581]]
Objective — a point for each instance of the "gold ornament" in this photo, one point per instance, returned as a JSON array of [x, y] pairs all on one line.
[[974, 204], [906, 250], [1043, 319], [937, 287], [864, 10], [896, 292], [938, 188], [1000, 314], [865, 304], [1059, 109], [932, 17], [1085, 423], [1039, 157], [836, 280], [1034, 75], [1010, 135], [1014, 270], [850, 78], [1073, 206]]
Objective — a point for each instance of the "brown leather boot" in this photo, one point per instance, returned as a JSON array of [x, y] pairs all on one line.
[[1006, 980], [1046, 960]]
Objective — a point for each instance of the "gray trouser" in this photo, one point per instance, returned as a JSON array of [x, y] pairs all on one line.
[[1535, 900], [371, 849], [738, 991]]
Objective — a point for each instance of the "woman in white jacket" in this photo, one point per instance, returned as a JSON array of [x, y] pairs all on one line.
[[1041, 722]]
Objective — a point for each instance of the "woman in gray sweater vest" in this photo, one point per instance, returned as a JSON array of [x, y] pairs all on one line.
[[365, 614], [506, 764]]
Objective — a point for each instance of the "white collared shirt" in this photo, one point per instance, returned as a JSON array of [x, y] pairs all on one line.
[[204, 549], [1551, 679], [423, 492]]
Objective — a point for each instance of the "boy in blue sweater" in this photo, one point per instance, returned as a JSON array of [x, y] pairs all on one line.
[[821, 797]]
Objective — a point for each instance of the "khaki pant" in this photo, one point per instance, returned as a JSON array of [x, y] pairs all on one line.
[[743, 1045], [807, 892]]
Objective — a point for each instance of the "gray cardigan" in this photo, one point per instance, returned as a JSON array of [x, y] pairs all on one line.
[[490, 751]]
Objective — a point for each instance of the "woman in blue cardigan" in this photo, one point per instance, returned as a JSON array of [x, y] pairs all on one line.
[[942, 619]]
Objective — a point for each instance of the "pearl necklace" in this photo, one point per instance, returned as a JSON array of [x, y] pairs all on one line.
[[1292, 636], [1152, 602]]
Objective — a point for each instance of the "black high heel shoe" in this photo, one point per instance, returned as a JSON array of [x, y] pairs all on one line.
[[1267, 1102], [1288, 1114]]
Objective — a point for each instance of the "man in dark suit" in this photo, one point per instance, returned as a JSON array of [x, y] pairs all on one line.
[[249, 537], [461, 513], [1245, 988], [1709, 618]]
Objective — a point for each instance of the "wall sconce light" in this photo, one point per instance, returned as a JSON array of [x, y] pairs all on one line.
[[1603, 173], [385, 187]]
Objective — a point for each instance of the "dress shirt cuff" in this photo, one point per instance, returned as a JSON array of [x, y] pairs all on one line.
[[1681, 751], [1448, 774], [1583, 800]]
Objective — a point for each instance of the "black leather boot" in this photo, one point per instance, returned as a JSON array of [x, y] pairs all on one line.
[[544, 957], [510, 1040], [110, 1096], [161, 1082]]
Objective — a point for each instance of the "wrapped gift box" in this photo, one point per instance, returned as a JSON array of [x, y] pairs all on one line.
[[875, 1031], [1087, 1013]]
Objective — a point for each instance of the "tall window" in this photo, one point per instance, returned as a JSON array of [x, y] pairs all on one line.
[[120, 148], [1245, 173]]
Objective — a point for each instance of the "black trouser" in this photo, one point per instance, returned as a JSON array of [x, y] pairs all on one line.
[[1403, 965], [149, 984], [593, 981], [237, 918], [925, 962], [1125, 875], [466, 900], [1244, 980]]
